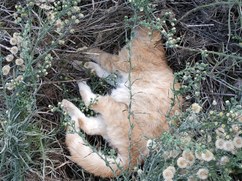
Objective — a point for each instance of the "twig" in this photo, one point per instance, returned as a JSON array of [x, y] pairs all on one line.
[[201, 25], [64, 81], [93, 4], [7, 48]]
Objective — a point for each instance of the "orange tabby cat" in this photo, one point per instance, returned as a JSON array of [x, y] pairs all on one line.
[[133, 113]]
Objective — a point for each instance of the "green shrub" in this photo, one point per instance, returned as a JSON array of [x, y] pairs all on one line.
[[206, 140]]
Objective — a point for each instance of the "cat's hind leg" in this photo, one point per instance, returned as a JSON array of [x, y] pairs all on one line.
[[102, 104], [90, 125]]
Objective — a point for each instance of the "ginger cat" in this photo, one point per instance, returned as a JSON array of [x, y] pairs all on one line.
[[133, 113]]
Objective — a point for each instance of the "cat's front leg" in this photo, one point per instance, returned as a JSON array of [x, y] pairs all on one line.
[[87, 95], [96, 55], [105, 60], [94, 67]]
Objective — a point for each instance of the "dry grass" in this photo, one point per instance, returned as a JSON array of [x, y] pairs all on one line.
[[214, 26]]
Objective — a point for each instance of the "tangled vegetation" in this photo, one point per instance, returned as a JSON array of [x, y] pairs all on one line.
[[40, 40]]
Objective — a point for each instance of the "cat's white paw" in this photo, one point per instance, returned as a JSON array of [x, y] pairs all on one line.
[[90, 65], [97, 69], [83, 86], [71, 109], [86, 93], [67, 106], [74, 113]]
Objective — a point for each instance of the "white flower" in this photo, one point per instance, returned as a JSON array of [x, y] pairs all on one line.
[[75, 9], [72, 31], [196, 108], [45, 7], [9, 86], [173, 169], [220, 131], [188, 155], [81, 15], [77, 21], [59, 23], [140, 172], [214, 102], [16, 34], [220, 143], [61, 42], [150, 144], [22, 68], [13, 41], [5, 69], [182, 162], [224, 160], [19, 61], [73, 17], [228, 146], [207, 156], [168, 173], [19, 39], [227, 102], [19, 78], [9, 58], [51, 16], [14, 50], [237, 142], [235, 128], [202, 173], [186, 139]]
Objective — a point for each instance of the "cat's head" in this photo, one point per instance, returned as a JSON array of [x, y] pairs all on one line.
[[145, 34]]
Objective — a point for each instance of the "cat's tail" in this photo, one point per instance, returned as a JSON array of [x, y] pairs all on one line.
[[91, 161]]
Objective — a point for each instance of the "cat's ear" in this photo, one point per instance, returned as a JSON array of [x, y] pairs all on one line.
[[144, 33]]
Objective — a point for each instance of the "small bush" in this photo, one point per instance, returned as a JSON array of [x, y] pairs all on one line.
[[38, 41]]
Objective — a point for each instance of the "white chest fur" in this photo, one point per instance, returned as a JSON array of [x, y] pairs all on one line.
[[122, 92]]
